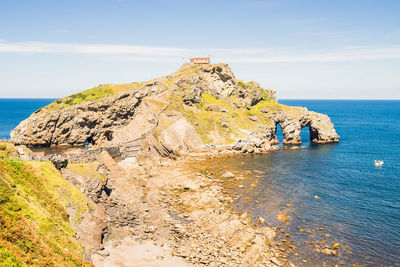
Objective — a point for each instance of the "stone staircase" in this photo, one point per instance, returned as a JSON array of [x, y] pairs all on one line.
[[132, 147]]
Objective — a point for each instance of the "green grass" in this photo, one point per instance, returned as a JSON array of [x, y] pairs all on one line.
[[34, 223], [243, 84], [7, 150], [88, 170], [89, 95], [208, 123], [203, 121], [94, 94]]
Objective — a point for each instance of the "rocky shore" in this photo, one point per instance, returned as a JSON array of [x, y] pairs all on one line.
[[150, 206], [195, 106], [184, 217]]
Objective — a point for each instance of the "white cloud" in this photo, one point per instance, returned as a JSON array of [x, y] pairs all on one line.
[[361, 53], [249, 55], [71, 48]]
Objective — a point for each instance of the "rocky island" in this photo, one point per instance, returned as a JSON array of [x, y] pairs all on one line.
[[198, 104], [137, 199]]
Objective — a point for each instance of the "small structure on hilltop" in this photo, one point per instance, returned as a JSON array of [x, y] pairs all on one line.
[[200, 60]]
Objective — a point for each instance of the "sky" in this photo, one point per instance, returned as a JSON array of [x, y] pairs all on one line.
[[304, 49]]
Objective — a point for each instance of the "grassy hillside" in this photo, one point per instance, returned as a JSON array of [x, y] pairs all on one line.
[[209, 123], [34, 223], [95, 93]]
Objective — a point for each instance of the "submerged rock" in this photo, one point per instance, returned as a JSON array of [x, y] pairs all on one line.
[[326, 250]]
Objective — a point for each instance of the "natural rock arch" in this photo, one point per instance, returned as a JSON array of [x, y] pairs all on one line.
[[320, 127], [89, 141]]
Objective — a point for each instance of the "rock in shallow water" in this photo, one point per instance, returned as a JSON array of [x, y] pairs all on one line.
[[228, 175]]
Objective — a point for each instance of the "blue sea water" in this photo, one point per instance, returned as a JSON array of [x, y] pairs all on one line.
[[15, 110], [359, 205]]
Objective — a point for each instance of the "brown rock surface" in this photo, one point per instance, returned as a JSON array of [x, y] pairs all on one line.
[[144, 114], [164, 214]]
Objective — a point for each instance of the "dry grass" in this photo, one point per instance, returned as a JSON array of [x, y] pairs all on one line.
[[34, 223]]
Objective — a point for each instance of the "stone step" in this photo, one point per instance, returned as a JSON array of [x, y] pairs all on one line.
[[138, 145], [132, 149], [132, 153], [133, 142]]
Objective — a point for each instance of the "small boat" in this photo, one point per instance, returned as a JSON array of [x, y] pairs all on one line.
[[378, 163]]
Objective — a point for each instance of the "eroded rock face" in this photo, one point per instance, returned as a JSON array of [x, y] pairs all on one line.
[[180, 135], [134, 116], [320, 126], [89, 229], [251, 93], [217, 80], [96, 120]]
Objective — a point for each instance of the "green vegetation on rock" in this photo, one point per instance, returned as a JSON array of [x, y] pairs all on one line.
[[93, 94], [87, 170], [34, 224], [224, 125]]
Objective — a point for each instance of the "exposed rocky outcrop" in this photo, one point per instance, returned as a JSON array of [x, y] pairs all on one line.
[[197, 105], [93, 121], [200, 109], [59, 162], [320, 126]]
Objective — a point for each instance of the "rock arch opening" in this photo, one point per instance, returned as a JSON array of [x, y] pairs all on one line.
[[89, 141], [320, 131], [305, 135], [293, 133], [279, 136]]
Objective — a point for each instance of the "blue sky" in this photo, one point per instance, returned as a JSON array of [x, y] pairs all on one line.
[[302, 48]]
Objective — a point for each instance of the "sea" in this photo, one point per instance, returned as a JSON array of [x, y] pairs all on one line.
[[15, 110], [331, 193]]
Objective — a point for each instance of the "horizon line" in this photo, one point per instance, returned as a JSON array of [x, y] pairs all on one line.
[[344, 99]]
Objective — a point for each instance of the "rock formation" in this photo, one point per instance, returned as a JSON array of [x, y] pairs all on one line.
[[195, 106], [320, 126]]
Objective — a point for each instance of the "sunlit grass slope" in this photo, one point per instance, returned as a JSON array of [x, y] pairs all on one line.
[[34, 223]]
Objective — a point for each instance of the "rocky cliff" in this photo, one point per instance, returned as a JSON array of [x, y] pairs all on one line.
[[197, 105]]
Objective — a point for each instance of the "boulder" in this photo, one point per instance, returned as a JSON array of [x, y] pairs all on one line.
[[326, 250], [180, 135], [228, 175], [59, 162], [253, 118], [213, 107], [193, 95], [25, 153], [248, 149]]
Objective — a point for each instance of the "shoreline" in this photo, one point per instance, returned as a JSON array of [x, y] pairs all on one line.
[[182, 214]]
